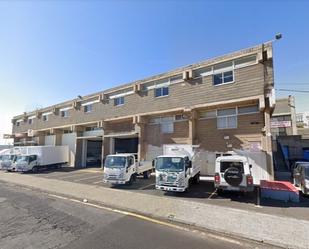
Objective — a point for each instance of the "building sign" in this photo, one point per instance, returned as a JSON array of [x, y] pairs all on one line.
[[30, 133], [280, 124]]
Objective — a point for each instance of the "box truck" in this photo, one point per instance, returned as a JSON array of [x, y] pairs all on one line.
[[123, 169], [176, 169], [32, 158]]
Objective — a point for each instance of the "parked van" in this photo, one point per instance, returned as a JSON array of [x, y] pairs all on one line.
[[301, 176]]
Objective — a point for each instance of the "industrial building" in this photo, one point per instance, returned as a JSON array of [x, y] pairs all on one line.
[[220, 104]]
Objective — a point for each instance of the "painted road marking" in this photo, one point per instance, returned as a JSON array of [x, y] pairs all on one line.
[[92, 170], [85, 178], [212, 194], [149, 185], [152, 220], [73, 175], [98, 182]]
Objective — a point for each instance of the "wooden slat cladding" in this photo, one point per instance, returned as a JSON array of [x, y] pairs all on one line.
[[111, 127], [155, 137], [212, 139], [249, 81]]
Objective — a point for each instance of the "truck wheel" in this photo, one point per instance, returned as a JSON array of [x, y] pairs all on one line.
[[132, 179], [197, 178], [146, 174], [35, 169]]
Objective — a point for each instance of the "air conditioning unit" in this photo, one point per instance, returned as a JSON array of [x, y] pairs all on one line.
[[187, 75]]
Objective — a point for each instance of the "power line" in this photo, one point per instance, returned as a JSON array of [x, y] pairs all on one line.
[[292, 90]]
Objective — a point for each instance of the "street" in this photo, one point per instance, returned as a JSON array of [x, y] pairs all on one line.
[[31, 219], [204, 192]]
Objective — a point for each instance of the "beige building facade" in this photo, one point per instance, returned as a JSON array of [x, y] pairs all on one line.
[[220, 104]]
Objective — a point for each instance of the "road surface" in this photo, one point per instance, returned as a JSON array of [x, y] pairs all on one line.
[[32, 219]]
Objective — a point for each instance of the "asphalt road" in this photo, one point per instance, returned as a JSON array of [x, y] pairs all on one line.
[[203, 192], [31, 219]]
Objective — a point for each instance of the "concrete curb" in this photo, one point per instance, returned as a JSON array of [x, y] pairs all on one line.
[[276, 230]]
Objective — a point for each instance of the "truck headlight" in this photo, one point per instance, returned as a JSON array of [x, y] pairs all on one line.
[[121, 175]]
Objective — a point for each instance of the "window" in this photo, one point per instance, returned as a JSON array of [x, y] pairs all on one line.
[[208, 114], [88, 108], [201, 72], [64, 113], [167, 127], [119, 101], [30, 121], [45, 118], [248, 109], [180, 117], [222, 78], [227, 118], [161, 91], [245, 61], [18, 123]]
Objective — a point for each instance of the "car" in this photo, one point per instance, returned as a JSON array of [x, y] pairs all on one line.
[[301, 176], [233, 173]]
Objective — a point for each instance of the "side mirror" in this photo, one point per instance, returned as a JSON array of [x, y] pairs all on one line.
[[153, 163], [189, 165], [250, 166]]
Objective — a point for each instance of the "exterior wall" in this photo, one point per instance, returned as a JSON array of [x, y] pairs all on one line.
[[284, 111], [252, 84], [249, 81], [154, 138], [247, 135]]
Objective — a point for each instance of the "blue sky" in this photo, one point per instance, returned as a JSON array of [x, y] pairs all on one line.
[[52, 51]]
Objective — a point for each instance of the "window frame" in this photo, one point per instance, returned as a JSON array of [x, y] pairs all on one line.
[[162, 91], [222, 75], [89, 110], [226, 118], [45, 118], [63, 112], [117, 101]]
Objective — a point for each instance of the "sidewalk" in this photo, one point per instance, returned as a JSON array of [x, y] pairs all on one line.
[[277, 230]]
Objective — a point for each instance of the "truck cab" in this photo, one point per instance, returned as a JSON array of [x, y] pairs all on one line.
[[175, 173], [25, 163], [123, 169], [7, 161], [233, 173]]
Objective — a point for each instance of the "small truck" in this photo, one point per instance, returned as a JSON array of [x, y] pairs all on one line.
[[32, 158], [123, 169], [176, 169]]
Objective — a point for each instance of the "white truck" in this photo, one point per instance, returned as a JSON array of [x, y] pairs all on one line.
[[176, 168], [32, 158], [123, 169], [240, 171], [6, 161]]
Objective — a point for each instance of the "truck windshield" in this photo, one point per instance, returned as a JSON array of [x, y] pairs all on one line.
[[7, 157], [21, 158], [170, 164], [115, 162]]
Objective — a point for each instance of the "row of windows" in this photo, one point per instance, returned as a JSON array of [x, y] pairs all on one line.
[[222, 73], [227, 118]]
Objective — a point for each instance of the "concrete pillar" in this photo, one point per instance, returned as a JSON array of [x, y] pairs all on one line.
[[192, 139], [267, 144], [139, 123]]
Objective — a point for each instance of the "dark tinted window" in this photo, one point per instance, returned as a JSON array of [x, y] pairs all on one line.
[[225, 165]]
